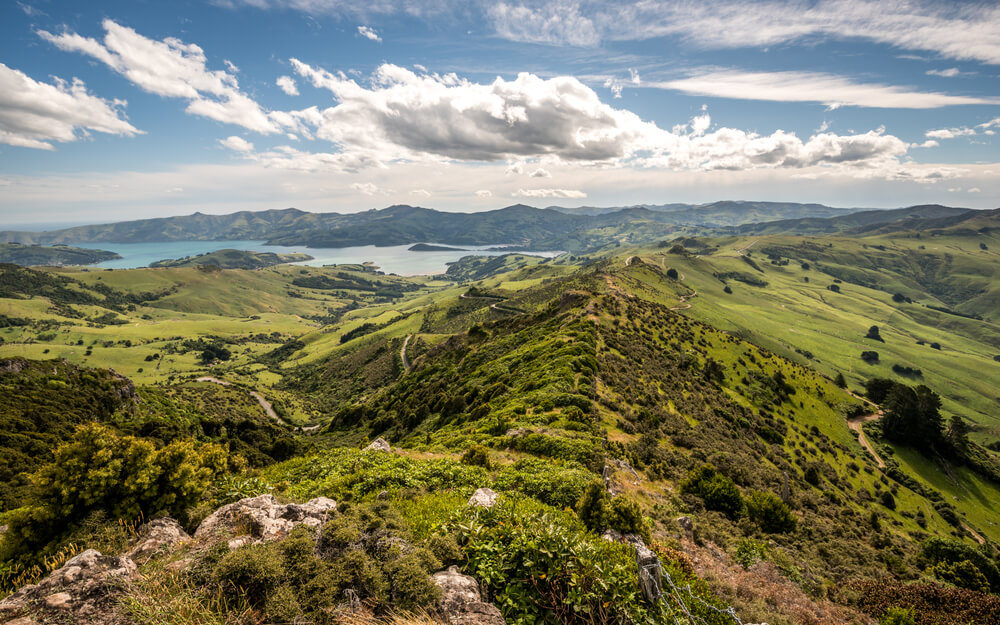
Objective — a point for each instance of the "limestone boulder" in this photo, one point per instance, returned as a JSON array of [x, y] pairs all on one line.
[[263, 518], [462, 601]]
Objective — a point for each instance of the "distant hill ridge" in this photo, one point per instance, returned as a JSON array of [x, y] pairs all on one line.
[[520, 226]]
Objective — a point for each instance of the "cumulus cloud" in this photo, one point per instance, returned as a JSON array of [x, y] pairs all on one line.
[[34, 114], [287, 84], [550, 193], [420, 193], [369, 33], [404, 115], [365, 188], [950, 133], [484, 193], [540, 173], [172, 69], [951, 72], [236, 144], [831, 90]]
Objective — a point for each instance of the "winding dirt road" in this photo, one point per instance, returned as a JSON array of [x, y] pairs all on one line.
[[266, 405], [402, 353], [855, 424]]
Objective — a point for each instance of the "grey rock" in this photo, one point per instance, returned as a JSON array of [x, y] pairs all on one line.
[[382, 495], [155, 537], [85, 589], [59, 601], [686, 524], [264, 519], [483, 498], [379, 444], [462, 602]]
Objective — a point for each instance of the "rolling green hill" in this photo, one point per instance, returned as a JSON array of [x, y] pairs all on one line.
[[56, 255], [233, 259], [699, 378]]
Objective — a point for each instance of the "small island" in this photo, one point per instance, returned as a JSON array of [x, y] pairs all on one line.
[[51, 256], [233, 259], [428, 247]]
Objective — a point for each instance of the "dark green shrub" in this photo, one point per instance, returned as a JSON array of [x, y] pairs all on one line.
[[887, 500], [625, 516], [477, 456], [936, 551], [716, 490], [769, 512], [255, 570], [592, 508]]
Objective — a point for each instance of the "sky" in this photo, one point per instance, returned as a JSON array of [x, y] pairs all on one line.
[[124, 110]]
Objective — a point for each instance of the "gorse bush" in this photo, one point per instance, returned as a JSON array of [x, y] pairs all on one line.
[[716, 490], [541, 566], [122, 476], [769, 512]]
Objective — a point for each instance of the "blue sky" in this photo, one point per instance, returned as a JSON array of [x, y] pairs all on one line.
[[119, 110]]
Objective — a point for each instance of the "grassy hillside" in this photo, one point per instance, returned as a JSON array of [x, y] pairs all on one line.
[[693, 379], [233, 259], [56, 255]]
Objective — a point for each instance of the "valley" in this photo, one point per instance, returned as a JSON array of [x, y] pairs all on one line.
[[714, 377]]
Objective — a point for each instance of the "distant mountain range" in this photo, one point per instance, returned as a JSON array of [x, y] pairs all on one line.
[[519, 227]]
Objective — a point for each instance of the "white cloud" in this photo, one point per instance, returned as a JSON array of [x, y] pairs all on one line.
[[831, 90], [236, 144], [420, 193], [34, 114], [930, 143], [951, 72], [484, 193], [550, 193], [405, 117], [365, 188], [995, 122], [556, 21], [950, 133], [964, 31], [287, 84], [540, 173], [173, 69], [369, 33]]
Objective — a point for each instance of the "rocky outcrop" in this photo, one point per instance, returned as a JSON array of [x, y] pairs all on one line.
[[483, 498], [379, 444], [263, 518], [84, 590], [156, 537], [462, 602]]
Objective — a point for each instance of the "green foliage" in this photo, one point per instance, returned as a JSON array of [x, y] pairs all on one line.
[[366, 549], [945, 558], [750, 552], [125, 477], [912, 417], [541, 566], [898, 616], [716, 490], [592, 508], [556, 484], [770, 513], [477, 456], [625, 516], [41, 403]]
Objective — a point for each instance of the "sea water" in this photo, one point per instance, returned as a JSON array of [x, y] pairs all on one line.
[[397, 259]]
